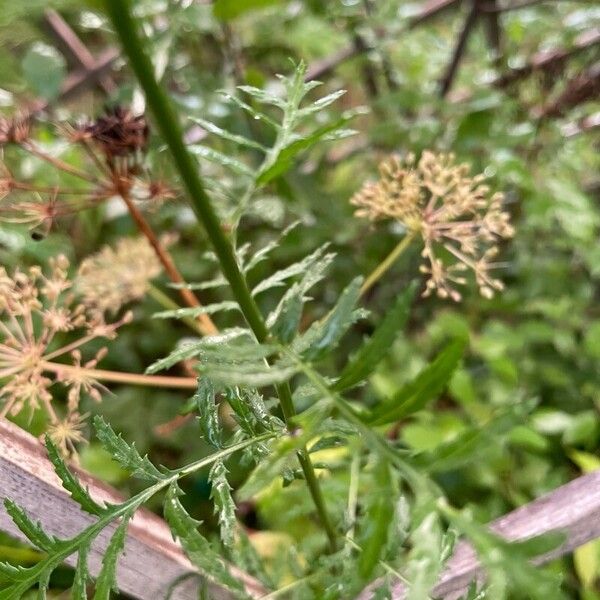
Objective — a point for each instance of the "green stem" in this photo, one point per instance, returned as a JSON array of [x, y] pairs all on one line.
[[170, 304], [168, 125], [387, 262]]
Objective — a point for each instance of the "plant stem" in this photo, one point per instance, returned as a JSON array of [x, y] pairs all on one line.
[[187, 383], [386, 263], [164, 256], [168, 125]]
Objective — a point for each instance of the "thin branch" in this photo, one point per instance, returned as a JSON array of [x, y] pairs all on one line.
[[461, 44]]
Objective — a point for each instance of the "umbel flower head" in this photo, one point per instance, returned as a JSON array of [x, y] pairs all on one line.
[[36, 309], [116, 276], [438, 200]]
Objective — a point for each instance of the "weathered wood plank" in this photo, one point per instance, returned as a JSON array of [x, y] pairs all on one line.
[[573, 509], [152, 560]]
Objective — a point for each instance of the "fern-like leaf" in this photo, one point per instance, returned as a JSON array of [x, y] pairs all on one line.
[[195, 545], [107, 578], [70, 482], [323, 336], [34, 532], [125, 454], [205, 401], [224, 504]]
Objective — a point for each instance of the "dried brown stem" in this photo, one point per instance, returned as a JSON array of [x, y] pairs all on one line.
[[206, 323]]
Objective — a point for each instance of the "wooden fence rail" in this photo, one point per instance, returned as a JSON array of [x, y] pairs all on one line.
[[153, 562]]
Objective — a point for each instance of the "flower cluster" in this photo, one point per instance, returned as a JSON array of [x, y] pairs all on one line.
[[437, 199], [36, 309], [114, 144], [116, 276]]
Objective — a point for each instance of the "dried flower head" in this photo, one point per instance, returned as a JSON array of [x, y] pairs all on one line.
[[119, 132], [438, 200], [116, 276], [35, 310], [15, 130]]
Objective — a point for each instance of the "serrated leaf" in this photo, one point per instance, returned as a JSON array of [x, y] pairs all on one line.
[[257, 115], [195, 311], [31, 530], [302, 267], [263, 252], [253, 374], [221, 159], [10, 571], [378, 345], [323, 336], [79, 587], [322, 103], [205, 401], [285, 319], [194, 348], [125, 454], [70, 482], [263, 96], [226, 135], [224, 505], [414, 396], [283, 160], [107, 579], [195, 545]]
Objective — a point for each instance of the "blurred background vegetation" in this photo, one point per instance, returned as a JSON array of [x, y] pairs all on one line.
[[534, 137]]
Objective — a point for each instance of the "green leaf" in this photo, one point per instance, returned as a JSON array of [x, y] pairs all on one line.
[[195, 545], [379, 514], [262, 254], [79, 588], [192, 349], [323, 336], [414, 396], [251, 374], [287, 153], [70, 483], [195, 311], [44, 69], [306, 267], [285, 319], [378, 345], [204, 398], [470, 444], [224, 504], [32, 531], [107, 579], [221, 159], [226, 135], [126, 455], [230, 9]]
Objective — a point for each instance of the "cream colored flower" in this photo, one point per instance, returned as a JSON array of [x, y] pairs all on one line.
[[438, 200], [116, 276], [35, 308], [67, 432]]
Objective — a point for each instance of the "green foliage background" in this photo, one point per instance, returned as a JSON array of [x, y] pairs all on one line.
[[538, 343]]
